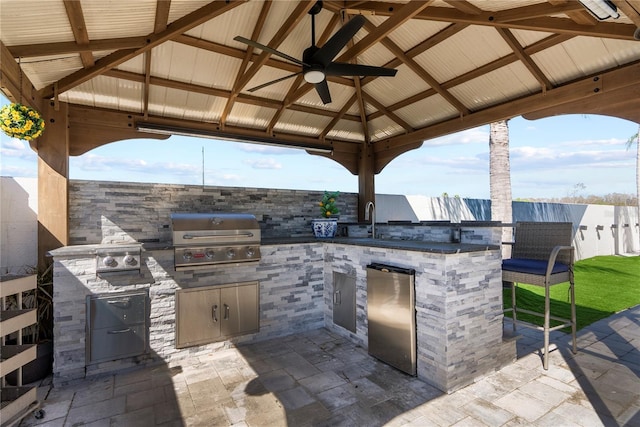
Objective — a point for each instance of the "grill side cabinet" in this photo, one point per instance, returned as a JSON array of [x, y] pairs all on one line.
[[197, 316], [214, 313]]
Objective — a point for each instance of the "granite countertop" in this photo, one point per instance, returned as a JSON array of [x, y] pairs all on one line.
[[409, 245]]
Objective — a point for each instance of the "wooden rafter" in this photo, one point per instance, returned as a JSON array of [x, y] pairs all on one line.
[[581, 17], [422, 47], [14, 84], [464, 7], [631, 8], [524, 58], [337, 117], [159, 25], [147, 84], [64, 48], [398, 18], [76, 20], [293, 20], [422, 73], [257, 29], [524, 18], [239, 53], [162, 15], [363, 112], [593, 86], [183, 24], [221, 93], [480, 71], [385, 111]]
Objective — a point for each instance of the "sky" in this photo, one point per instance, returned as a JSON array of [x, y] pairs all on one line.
[[550, 158]]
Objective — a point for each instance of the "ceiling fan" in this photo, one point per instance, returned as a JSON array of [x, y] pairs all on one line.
[[317, 62]]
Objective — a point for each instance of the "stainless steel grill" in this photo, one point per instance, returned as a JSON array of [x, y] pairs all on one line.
[[202, 240]]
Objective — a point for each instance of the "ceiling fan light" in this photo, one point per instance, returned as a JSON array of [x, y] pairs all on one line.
[[313, 76], [601, 9]]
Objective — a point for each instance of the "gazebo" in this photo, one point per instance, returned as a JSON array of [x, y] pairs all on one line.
[[101, 72]]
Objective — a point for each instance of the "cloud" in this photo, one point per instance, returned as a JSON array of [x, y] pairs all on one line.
[[13, 144], [215, 178], [590, 142], [15, 148], [268, 149], [17, 171], [95, 163], [263, 163], [469, 136], [534, 158]]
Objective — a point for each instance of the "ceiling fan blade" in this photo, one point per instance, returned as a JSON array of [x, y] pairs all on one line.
[[268, 49], [253, 89], [345, 69], [323, 90], [334, 45]]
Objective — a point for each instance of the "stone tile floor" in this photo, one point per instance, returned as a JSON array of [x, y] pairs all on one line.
[[320, 379]]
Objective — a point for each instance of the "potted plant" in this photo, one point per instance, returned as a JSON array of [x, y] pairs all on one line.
[[327, 225], [20, 121]]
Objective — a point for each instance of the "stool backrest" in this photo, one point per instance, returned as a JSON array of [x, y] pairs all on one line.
[[536, 240]]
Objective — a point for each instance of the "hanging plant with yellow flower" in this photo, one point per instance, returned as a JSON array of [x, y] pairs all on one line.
[[328, 204], [20, 121]]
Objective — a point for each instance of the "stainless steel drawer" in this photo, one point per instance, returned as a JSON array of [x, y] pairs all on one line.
[[117, 310], [117, 325], [116, 343]]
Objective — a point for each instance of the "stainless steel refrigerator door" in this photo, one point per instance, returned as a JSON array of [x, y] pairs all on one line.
[[391, 318]]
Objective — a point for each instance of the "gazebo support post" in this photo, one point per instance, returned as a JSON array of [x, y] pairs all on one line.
[[53, 181], [366, 179]]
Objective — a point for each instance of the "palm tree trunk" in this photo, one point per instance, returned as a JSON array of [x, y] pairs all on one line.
[[500, 180]]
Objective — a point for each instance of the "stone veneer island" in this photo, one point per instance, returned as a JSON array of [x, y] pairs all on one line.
[[458, 301]]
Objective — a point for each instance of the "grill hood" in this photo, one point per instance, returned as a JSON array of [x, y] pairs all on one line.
[[204, 239]]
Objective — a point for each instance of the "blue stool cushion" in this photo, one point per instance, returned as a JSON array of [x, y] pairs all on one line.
[[532, 266]]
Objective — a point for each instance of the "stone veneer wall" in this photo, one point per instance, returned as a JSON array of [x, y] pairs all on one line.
[[291, 300], [115, 212], [458, 309]]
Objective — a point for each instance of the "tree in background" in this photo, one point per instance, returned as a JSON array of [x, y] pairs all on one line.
[[500, 179]]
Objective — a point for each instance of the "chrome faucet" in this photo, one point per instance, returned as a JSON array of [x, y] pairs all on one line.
[[370, 213]]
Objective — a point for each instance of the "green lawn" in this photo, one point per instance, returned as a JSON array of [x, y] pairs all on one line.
[[604, 285]]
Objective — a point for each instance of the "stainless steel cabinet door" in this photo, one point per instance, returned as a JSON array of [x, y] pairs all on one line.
[[344, 301], [239, 309], [197, 316]]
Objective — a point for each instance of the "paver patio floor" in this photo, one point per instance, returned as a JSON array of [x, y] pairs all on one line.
[[320, 379]]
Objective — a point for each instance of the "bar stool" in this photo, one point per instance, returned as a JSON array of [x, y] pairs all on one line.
[[542, 255]]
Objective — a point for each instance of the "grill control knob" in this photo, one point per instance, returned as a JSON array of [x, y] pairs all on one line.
[[209, 253], [231, 253], [187, 255], [250, 252], [129, 260], [109, 261]]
